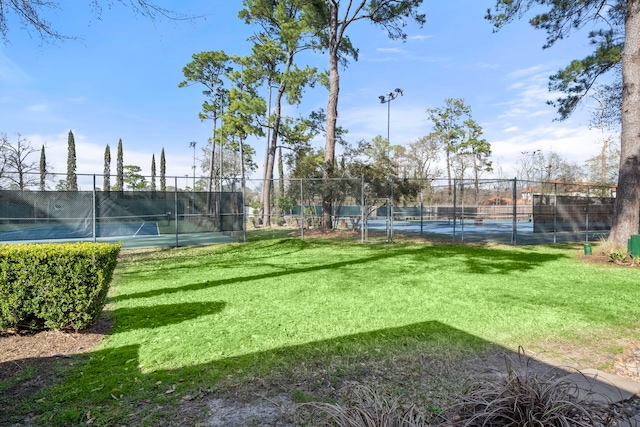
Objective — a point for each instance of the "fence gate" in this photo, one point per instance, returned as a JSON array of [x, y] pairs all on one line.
[[378, 220]]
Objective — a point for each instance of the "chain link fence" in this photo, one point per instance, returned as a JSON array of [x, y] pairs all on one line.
[[182, 211], [138, 217], [508, 211]]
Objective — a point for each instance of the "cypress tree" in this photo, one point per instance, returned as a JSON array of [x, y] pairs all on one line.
[[43, 169], [153, 173], [163, 171], [107, 169], [72, 180], [120, 168]]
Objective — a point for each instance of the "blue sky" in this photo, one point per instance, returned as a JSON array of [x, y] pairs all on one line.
[[120, 80]]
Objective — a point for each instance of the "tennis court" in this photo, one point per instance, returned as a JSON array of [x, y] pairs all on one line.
[[131, 235], [138, 219], [470, 230]]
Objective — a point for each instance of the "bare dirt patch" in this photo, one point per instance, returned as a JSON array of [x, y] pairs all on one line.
[[28, 360]]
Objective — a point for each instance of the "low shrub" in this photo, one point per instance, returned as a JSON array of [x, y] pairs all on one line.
[[618, 257], [54, 286]]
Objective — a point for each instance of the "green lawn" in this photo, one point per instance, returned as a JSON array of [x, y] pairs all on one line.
[[199, 321]]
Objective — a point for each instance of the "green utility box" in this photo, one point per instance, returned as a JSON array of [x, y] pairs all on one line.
[[634, 245]]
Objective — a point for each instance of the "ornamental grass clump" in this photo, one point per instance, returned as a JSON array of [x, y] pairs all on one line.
[[364, 407], [519, 398], [524, 398]]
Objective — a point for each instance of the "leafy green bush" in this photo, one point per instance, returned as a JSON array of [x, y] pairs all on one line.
[[54, 286]]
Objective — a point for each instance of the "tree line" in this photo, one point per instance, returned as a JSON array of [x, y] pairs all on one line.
[[18, 170]]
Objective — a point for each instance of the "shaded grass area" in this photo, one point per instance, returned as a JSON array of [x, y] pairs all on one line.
[[307, 317]]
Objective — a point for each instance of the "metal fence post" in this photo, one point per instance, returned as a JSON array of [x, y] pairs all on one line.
[[421, 210], [93, 210], [175, 207], [555, 211], [586, 234], [391, 212], [462, 210], [301, 212], [514, 232], [455, 208], [362, 208]]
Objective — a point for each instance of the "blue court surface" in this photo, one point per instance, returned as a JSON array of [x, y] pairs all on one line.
[[79, 231], [500, 231]]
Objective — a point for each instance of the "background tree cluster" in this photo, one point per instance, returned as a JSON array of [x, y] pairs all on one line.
[[19, 170]]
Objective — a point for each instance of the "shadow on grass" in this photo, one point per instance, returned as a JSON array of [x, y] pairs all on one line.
[[110, 385], [217, 256], [160, 315], [467, 259]]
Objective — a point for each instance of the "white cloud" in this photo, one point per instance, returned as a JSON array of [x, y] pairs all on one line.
[[514, 112], [37, 108], [540, 113], [573, 143], [420, 37], [526, 72], [390, 50], [511, 129]]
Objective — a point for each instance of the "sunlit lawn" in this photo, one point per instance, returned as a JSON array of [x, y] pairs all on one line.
[[187, 319]]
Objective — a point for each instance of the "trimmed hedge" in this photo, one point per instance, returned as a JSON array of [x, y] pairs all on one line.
[[54, 286]]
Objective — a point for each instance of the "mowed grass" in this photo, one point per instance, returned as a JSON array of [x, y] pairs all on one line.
[[192, 322]]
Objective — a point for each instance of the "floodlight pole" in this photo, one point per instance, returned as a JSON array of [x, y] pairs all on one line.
[[386, 99]]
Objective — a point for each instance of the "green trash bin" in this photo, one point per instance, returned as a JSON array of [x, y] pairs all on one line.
[[634, 245], [587, 248]]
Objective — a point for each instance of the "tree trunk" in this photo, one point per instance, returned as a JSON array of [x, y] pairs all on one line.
[[265, 175], [332, 115], [626, 216], [267, 187]]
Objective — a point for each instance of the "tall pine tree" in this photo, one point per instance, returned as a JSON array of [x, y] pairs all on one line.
[[163, 171], [107, 169], [72, 179], [120, 168]]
